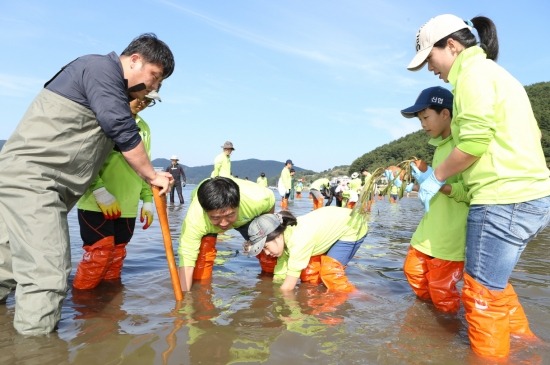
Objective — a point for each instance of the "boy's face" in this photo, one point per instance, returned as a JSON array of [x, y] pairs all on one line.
[[435, 124]]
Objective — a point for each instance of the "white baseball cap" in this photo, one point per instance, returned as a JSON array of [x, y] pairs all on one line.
[[430, 33]]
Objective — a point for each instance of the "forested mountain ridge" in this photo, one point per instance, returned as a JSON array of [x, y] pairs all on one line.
[[250, 169]]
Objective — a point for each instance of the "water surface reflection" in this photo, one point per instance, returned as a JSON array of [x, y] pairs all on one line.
[[239, 317]]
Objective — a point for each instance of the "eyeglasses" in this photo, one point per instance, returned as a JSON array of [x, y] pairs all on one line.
[[147, 102]]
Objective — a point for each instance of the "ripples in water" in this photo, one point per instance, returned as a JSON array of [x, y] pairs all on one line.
[[240, 317]]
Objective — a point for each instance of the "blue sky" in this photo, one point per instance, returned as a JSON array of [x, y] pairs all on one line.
[[320, 82]]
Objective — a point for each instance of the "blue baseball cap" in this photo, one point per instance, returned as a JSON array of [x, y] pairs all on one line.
[[432, 96]]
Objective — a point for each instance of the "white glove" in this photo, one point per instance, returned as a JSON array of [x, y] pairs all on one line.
[[107, 203], [420, 176], [429, 187], [146, 214]]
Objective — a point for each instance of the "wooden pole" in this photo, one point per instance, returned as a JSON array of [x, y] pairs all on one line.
[[160, 203]]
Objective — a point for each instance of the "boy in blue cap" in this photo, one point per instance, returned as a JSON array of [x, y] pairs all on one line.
[[435, 260]]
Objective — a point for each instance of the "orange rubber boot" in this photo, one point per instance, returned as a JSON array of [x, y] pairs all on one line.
[[442, 278], [267, 263], [315, 205], [205, 260], [94, 263], [203, 305], [415, 269], [488, 320], [333, 275], [323, 306], [320, 202], [311, 274], [519, 325], [115, 268], [284, 204]]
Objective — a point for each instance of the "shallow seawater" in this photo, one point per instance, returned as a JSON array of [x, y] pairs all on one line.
[[241, 318]]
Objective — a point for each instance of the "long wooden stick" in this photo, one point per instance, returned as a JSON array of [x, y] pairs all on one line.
[[160, 203]]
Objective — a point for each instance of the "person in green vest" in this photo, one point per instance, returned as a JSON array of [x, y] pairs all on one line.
[[314, 248], [222, 162], [435, 259], [318, 190], [499, 152], [217, 205], [355, 186], [285, 184], [107, 211], [299, 187], [262, 180], [292, 183]]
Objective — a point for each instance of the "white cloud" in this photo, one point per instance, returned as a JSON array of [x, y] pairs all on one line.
[[387, 120], [18, 86]]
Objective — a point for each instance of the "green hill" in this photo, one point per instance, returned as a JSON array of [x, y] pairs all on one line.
[[415, 144]]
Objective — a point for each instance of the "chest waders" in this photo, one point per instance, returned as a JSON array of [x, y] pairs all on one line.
[[51, 158]]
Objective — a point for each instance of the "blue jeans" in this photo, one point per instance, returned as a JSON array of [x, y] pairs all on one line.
[[343, 251], [498, 234]]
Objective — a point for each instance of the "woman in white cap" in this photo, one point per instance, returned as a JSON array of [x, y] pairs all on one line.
[[315, 247], [498, 151], [355, 186]]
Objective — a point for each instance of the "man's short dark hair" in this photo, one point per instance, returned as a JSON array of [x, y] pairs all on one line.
[[154, 51], [218, 193]]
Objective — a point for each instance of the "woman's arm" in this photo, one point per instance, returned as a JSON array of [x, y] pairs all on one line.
[[455, 163], [289, 283]]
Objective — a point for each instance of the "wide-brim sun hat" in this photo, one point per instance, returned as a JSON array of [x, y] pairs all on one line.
[[174, 157], [228, 145], [430, 33]]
